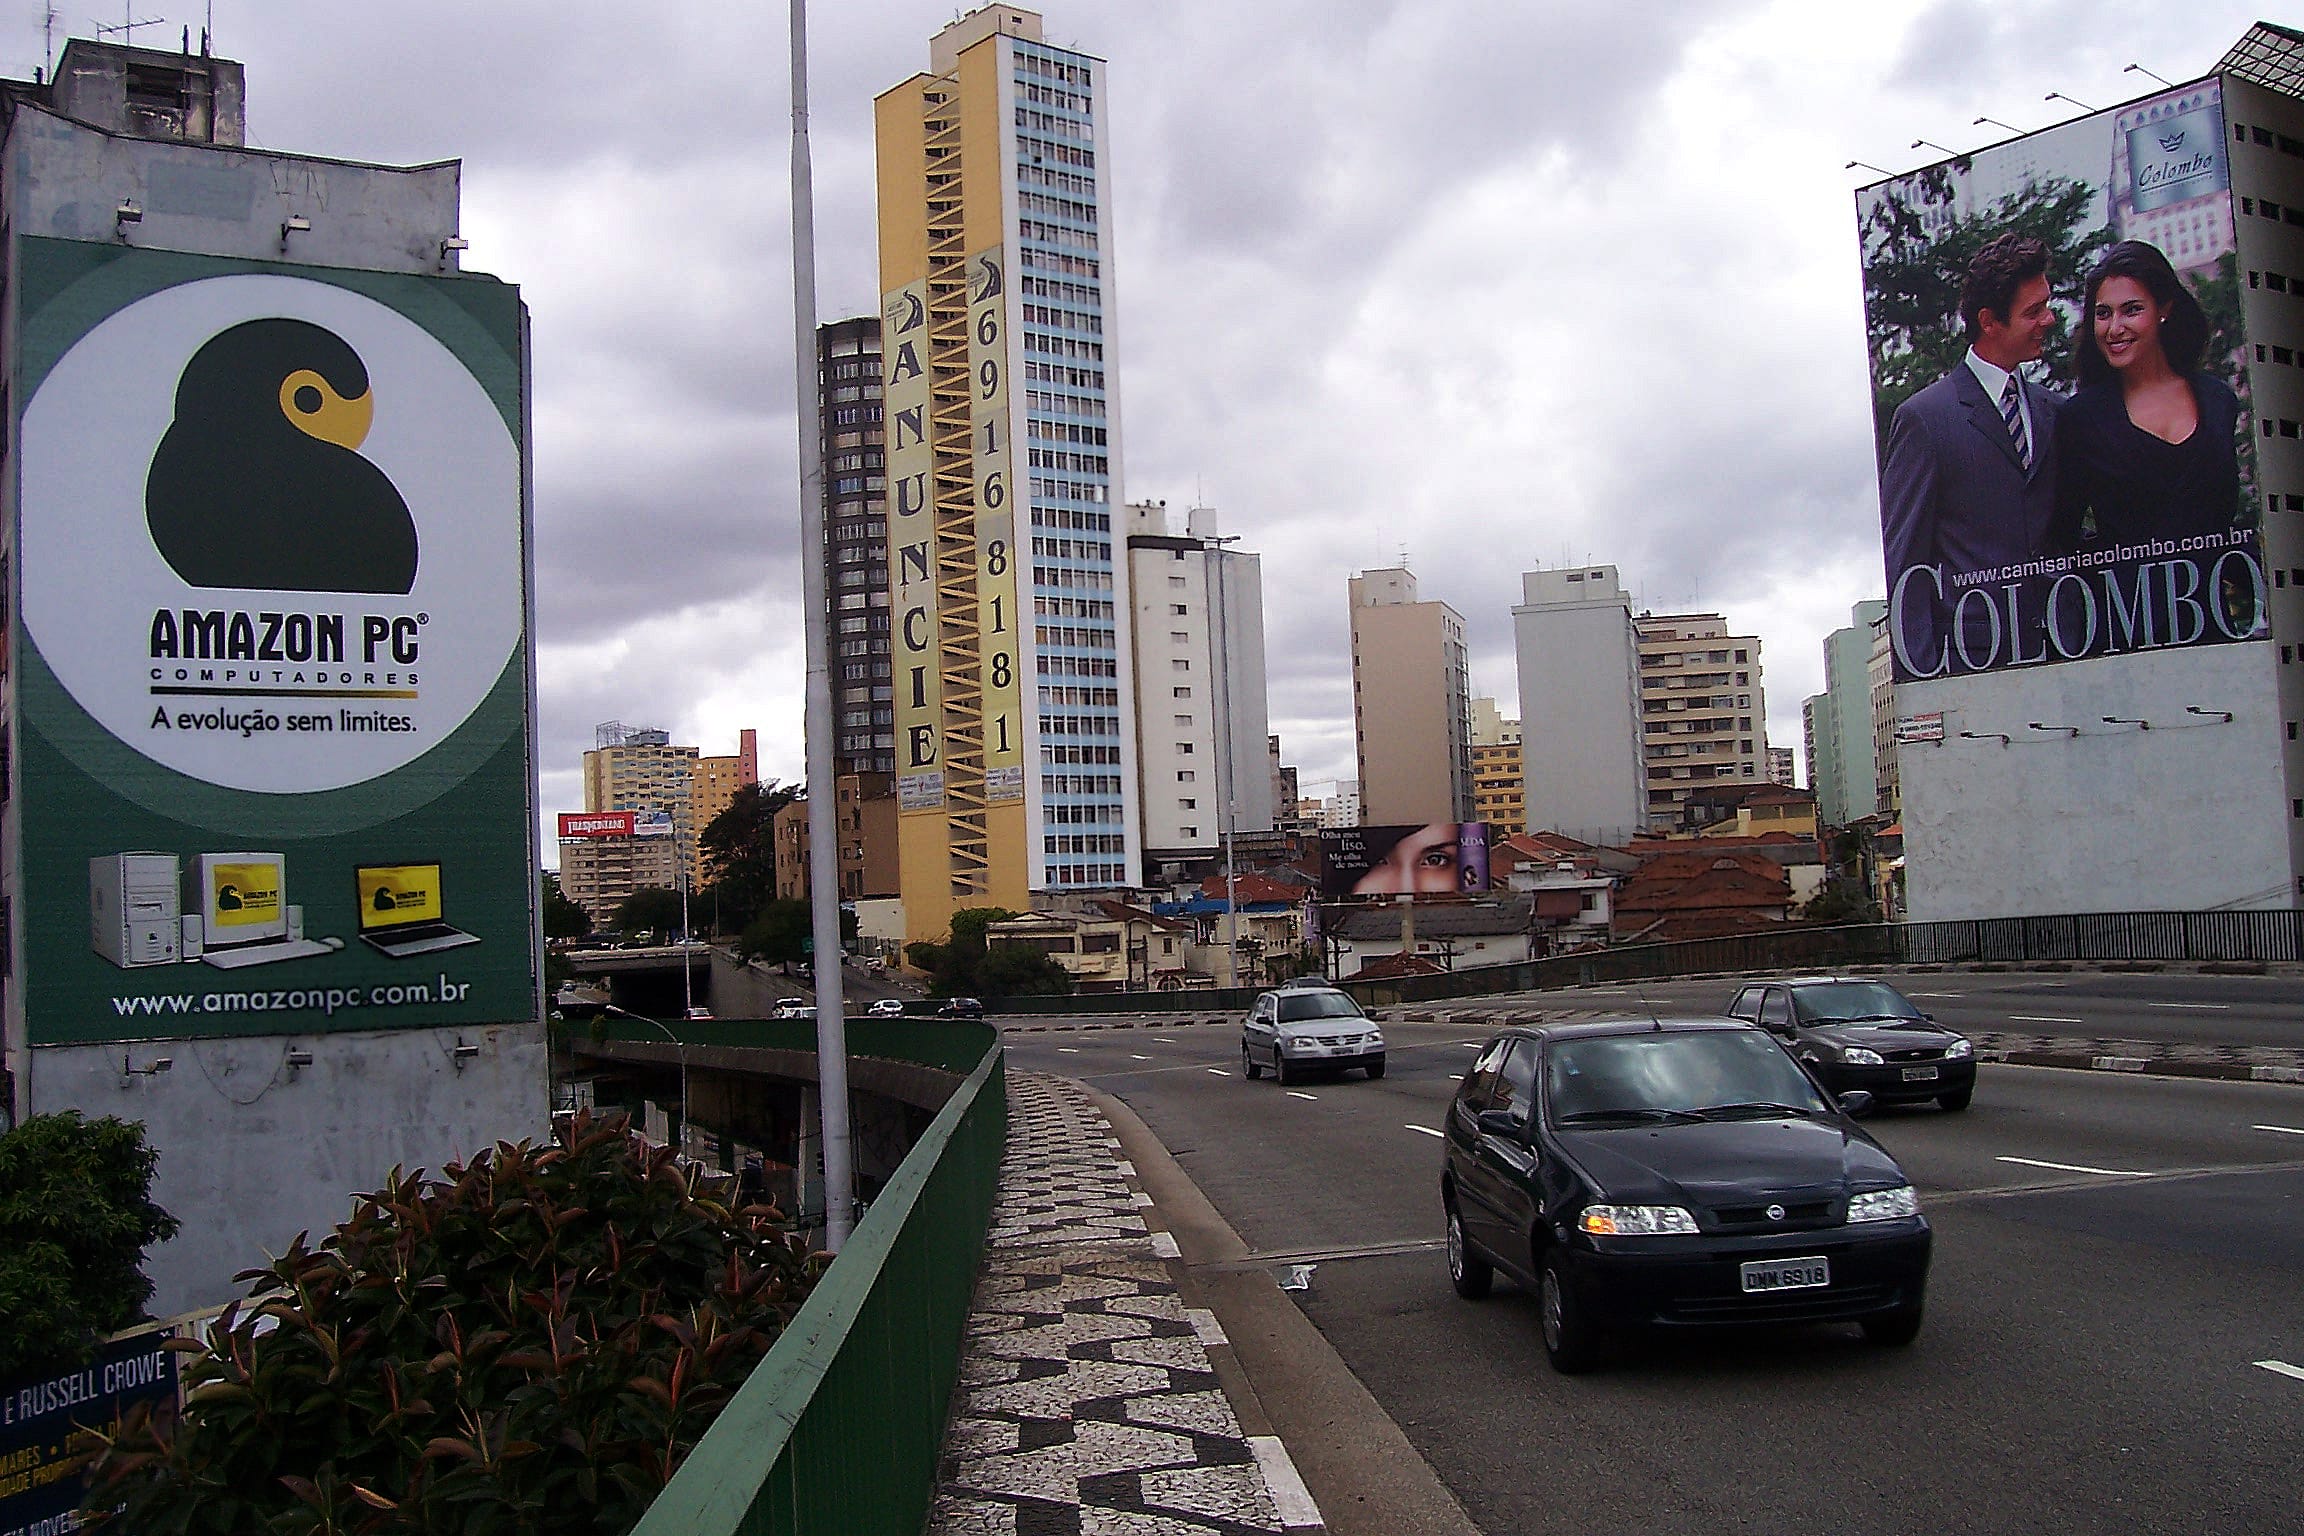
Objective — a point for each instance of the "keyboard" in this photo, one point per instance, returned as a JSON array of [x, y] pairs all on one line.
[[264, 954], [418, 939]]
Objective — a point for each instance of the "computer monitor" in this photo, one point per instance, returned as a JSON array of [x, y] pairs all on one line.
[[242, 898]]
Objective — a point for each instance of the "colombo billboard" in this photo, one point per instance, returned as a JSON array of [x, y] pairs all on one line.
[[270, 649], [1440, 856], [2059, 394]]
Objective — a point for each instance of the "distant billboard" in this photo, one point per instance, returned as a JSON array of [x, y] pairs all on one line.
[[596, 823], [2060, 399], [1440, 856], [272, 563]]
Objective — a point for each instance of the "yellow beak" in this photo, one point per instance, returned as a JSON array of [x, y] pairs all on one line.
[[308, 401]]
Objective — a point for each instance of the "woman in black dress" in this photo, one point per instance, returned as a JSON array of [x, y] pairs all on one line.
[[2147, 445]]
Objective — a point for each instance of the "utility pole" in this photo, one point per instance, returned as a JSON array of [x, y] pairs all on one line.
[[823, 795]]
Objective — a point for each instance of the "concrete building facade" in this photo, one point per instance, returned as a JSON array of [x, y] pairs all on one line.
[[1498, 791], [1703, 713], [1411, 703], [1199, 629], [1843, 766], [1579, 665], [854, 443], [1015, 729]]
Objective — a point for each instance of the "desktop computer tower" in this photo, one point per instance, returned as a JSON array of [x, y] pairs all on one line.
[[135, 908]]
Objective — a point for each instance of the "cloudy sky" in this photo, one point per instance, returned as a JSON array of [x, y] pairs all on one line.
[[1489, 284]]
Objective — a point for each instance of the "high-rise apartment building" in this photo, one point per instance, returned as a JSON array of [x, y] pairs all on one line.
[[1411, 703], [1199, 633], [1015, 731], [1498, 793], [1579, 663], [858, 637], [1843, 767], [1784, 767], [1880, 679], [1703, 715], [713, 783]]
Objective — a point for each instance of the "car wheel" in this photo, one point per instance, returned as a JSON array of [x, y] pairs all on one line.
[[1896, 1328], [1957, 1100], [1570, 1341], [1469, 1273], [1376, 1069], [1280, 1070], [1248, 1066]]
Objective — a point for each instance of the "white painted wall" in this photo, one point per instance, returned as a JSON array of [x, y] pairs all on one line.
[[1580, 705]]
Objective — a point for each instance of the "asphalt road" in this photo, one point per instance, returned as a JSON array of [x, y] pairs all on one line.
[[2114, 1255]]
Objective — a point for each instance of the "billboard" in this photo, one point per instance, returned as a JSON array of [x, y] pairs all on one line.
[[1440, 856], [596, 823], [271, 630], [912, 550], [2060, 399]]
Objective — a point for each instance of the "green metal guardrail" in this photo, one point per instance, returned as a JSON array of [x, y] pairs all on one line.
[[839, 1428]]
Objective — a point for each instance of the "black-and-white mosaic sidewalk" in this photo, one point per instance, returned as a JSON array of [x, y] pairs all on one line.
[[1087, 1405]]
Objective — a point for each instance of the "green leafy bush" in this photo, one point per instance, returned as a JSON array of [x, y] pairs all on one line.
[[75, 1218], [531, 1342]]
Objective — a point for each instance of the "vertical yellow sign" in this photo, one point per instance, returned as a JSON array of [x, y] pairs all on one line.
[[912, 550], [997, 552]]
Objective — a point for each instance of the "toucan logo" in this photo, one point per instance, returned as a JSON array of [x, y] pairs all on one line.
[[258, 481]]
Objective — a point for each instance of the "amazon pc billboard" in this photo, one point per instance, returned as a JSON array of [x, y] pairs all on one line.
[[270, 651], [2059, 396]]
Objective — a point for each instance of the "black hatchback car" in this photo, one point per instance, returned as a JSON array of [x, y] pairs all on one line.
[[1860, 1032], [1656, 1175]]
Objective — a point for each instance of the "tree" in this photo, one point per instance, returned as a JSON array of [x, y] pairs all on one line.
[[76, 1215], [563, 919], [740, 849], [651, 909], [1840, 901], [778, 934], [529, 1342], [1019, 970]]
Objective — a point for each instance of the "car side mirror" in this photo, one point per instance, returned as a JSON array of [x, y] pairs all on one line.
[[1502, 1122], [1931, 1018], [1856, 1101]]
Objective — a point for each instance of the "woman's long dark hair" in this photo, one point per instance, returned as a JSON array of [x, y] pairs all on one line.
[[2184, 333]]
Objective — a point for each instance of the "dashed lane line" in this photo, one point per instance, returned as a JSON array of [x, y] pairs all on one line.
[[2285, 1130], [2201, 1006], [2280, 1368], [2110, 1173], [1427, 1130], [1311, 1097], [2044, 1018], [1069, 1050], [1132, 1056]]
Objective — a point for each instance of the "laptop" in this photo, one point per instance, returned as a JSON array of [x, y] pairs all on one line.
[[400, 910]]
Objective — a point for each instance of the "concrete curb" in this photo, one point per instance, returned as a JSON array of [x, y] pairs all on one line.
[[1358, 1466]]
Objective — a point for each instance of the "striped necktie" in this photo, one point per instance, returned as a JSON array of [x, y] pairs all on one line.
[[2012, 412]]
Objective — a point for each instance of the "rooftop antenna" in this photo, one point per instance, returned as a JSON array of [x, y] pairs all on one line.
[[48, 38], [126, 31]]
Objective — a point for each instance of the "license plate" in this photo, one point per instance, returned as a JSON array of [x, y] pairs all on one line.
[[1787, 1274], [1919, 1074]]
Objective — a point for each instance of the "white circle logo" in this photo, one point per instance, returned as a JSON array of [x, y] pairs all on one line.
[[271, 533]]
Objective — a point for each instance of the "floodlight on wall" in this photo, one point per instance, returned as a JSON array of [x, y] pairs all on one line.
[[1984, 736], [2138, 69], [152, 1068], [2069, 730], [2076, 101], [1866, 165], [2142, 725], [126, 214], [1932, 144], [463, 1053], [2224, 715], [294, 224], [298, 1057], [1995, 122]]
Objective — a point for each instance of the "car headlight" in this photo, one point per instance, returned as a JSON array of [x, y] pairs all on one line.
[[1958, 1050], [1860, 1056], [1884, 1204], [1634, 1220]]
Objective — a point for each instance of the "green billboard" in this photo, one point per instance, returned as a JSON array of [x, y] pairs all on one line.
[[269, 649]]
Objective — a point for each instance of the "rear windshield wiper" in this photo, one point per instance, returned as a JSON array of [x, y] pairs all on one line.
[[1627, 1114]]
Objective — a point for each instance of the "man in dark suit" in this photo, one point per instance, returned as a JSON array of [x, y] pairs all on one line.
[[1969, 484]]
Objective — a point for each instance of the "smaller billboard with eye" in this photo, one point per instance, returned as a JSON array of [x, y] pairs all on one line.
[[1439, 857]]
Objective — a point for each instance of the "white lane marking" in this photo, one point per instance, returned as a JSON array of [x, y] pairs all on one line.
[[1132, 1056], [2110, 1173], [1218, 1071], [1289, 1494], [1069, 1050], [1427, 1130], [2188, 1005], [1164, 1246], [1471, 1045], [1455, 1077], [2280, 1368], [1163, 1039], [1312, 1097], [1205, 1328], [2043, 1018], [2285, 1130], [1935, 994]]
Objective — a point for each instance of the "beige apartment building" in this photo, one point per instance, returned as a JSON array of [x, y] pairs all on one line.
[[1411, 703], [713, 784], [1499, 795], [1703, 716]]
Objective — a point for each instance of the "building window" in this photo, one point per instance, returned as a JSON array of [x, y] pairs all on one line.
[[1185, 776]]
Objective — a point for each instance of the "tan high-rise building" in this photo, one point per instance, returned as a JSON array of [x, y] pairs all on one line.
[[713, 784], [1411, 703], [1498, 789], [1703, 716], [1014, 726]]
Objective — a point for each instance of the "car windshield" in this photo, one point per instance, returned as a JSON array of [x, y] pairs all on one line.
[[1674, 1073], [1838, 1001], [1317, 1005]]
